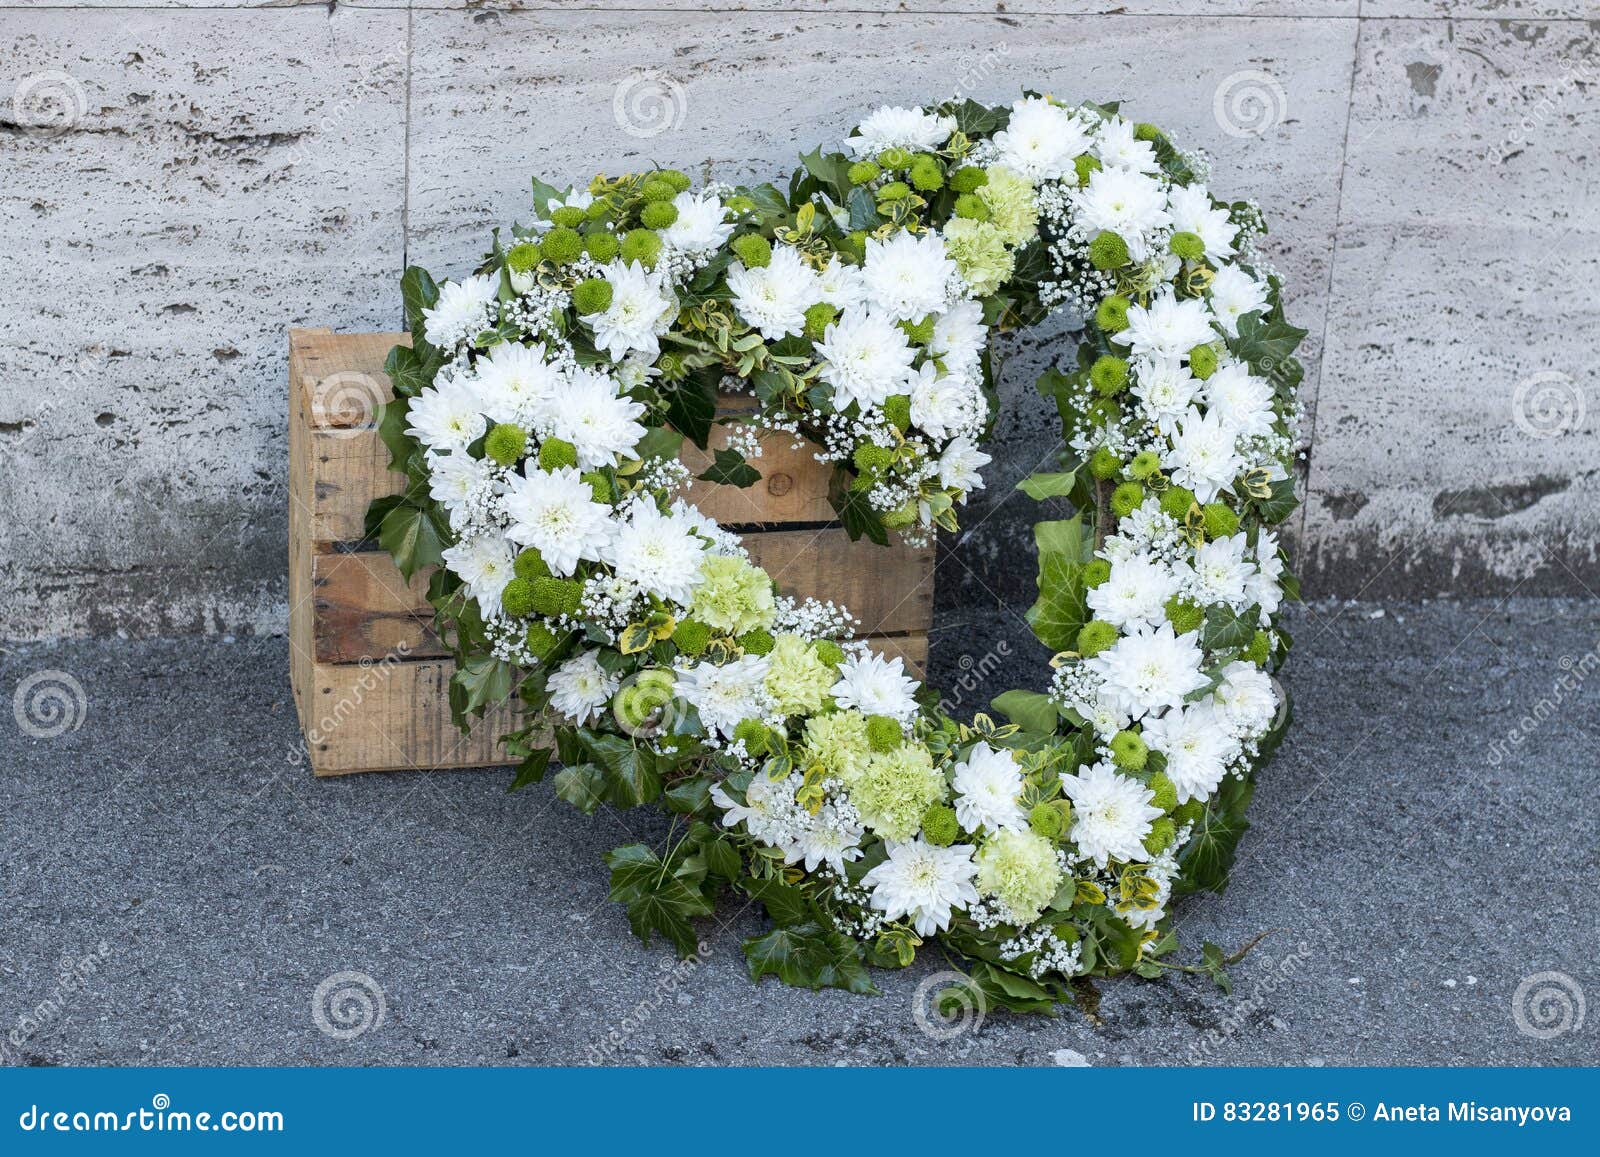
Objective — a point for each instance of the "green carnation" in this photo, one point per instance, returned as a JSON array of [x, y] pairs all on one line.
[[971, 206], [1019, 869], [568, 216], [1108, 251], [894, 158], [540, 640], [602, 246], [1128, 750], [678, 179], [1188, 246], [754, 250], [818, 318], [691, 637], [1012, 209], [897, 408], [592, 296], [1145, 464], [562, 245], [940, 826], [1104, 463], [1094, 637], [863, 172], [871, 458], [754, 734], [1203, 361], [1184, 615], [838, 741], [1125, 499], [969, 179], [733, 596], [553, 597], [657, 188], [979, 250], [1096, 572], [1162, 832], [756, 642], [523, 258], [893, 191], [1176, 503], [883, 733], [1165, 792], [658, 214], [641, 245], [530, 564], [798, 678], [504, 444], [1049, 819], [554, 453], [893, 790], [517, 598]]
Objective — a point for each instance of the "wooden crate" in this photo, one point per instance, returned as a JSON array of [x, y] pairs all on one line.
[[370, 676]]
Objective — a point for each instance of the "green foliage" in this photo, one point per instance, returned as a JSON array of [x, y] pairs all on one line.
[[1059, 611]]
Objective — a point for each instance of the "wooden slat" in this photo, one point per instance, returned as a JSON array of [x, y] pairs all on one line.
[[793, 485], [396, 716], [364, 609]]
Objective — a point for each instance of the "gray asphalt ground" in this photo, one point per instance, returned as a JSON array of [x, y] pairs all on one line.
[[1411, 875]]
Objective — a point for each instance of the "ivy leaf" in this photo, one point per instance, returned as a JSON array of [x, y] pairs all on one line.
[[635, 638], [418, 292], [583, 785], [411, 370], [1205, 860], [730, 469], [1276, 506], [722, 859], [786, 905], [1048, 485], [973, 118], [807, 956], [630, 773], [392, 431], [857, 514], [543, 194], [1226, 628], [657, 900], [1059, 612], [832, 170], [1268, 344], [691, 408], [659, 442], [410, 536], [863, 210], [1030, 710], [688, 796], [531, 769], [484, 681]]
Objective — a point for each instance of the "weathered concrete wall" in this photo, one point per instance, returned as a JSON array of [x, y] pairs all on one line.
[[180, 184]]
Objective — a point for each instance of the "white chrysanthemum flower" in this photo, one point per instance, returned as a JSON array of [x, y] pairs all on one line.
[[1118, 148], [484, 563], [1204, 455], [987, 786], [774, 297], [1167, 389], [555, 513], [924, 882], [580, 688], [841, 285], [1042, 141], [462, 310], [601, 423], [959, 466], [1233, 294], [942, 404], [959, 337], [1191, 211], [1111, 813], [1219, 571], [725, 694], [1149, 670], [1197, 746], [875, 686], [1246, 698], [1264, 586], [516, 383], [659, 552], [1243, 400], [701, 226], [1126, 203], [1167, 327], [1135, 595], [900, 128], [908, 276], [866, 358], [448, 416], [642, 309], [766, 800], [456, 481], [828, 838]]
